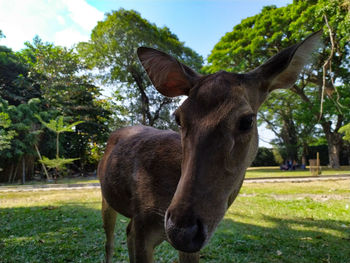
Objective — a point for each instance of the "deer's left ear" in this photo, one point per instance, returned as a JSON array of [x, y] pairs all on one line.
[[282, 70], [169, 76]]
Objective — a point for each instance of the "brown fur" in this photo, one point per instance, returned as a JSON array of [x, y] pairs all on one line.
[[177, 187]]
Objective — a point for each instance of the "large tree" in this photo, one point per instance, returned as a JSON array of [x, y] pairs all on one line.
[[15, 86], [47, 80], [67, 89], [112, 49], [283, 115], [323, 88]]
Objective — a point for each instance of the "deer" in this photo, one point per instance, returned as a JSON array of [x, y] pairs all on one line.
[[176, 187]]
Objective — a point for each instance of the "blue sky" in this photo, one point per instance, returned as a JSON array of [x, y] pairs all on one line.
[[198, 23]]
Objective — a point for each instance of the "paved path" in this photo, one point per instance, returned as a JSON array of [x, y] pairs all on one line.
[[53, 187], [300, 179]]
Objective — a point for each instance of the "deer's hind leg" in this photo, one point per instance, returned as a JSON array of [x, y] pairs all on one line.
[[109, 217]]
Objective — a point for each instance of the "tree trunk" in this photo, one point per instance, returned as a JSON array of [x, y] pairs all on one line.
[[334, 146], [144, 99], [334, 141], [23, 171]]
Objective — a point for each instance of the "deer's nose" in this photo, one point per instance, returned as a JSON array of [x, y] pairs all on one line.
[[186, 233]]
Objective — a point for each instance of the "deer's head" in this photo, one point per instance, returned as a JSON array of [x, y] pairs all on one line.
[[218, 133]]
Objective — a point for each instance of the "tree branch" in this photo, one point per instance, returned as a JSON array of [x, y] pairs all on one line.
[[165, 101], [144, 98]]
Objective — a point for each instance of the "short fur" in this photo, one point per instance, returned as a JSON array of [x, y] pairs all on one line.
[[177, 187]]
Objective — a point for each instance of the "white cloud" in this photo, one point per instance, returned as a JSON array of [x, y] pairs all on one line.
[[70, 36], [83, 14], [63, 22]]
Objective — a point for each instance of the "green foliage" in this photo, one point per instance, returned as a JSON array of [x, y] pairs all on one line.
[[346, 130], [264, 157], [277, 156], [15, 86], [112, 49], [294, 117], [57, 163], [5, 136], [47, 80], [58, 126], [69, 90], [4, 120], [21, 123]]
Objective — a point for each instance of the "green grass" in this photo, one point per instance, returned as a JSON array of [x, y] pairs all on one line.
[[278, 222], [77, 180], [256, 172]]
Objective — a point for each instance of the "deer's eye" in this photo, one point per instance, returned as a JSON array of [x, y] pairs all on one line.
[[246, 122]]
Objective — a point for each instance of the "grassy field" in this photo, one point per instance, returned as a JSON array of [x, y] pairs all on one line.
[[277, 222], [252, 172]]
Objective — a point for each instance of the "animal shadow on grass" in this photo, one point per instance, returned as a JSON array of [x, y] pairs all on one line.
[[74, 233], [280, 242]]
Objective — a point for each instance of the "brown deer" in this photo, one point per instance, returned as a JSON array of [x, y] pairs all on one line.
[[177, 187]]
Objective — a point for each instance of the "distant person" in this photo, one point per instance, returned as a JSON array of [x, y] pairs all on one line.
[[290, 164], [295, 165], [284, 167]]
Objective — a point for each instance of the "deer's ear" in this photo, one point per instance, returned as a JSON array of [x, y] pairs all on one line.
[[169, 77], [282, 70]]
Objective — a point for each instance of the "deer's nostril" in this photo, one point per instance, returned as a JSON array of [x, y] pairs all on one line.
[[188, 237]]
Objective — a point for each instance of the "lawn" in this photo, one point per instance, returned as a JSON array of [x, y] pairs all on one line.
[[252, 172], [275, 222]]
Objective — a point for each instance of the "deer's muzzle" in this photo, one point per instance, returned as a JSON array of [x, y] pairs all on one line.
[[186, 233]]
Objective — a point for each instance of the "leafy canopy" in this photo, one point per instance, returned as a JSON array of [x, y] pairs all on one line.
[[112, 50], [259, 37]]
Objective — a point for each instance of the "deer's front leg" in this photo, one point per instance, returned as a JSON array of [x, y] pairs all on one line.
[[142, 238], [188, 257], [109, 216]]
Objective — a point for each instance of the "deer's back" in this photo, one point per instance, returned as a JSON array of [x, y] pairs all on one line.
[[140, 170]]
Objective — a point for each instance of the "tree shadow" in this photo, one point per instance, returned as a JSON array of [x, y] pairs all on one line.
[[65, 233], [74, 233], [284, 240]]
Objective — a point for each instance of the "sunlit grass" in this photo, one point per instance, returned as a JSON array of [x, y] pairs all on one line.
[[277, 222], [252, 172]]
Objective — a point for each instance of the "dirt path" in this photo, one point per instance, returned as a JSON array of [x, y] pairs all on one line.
[[53, 187]]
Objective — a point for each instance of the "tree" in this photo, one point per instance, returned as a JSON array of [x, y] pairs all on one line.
[[67, 89], [283, 113], [5, 136], [112, 49], [19, 154], [346, 130], [264, 157], [322, 88], [58, 126], [15, 86]]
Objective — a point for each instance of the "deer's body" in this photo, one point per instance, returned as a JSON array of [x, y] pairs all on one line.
[[177, 187], [139, 174], [141, 154]]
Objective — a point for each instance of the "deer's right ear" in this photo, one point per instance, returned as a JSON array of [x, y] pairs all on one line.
[[169, 77]]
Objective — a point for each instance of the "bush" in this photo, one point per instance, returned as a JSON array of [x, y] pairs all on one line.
[[265, 157]]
